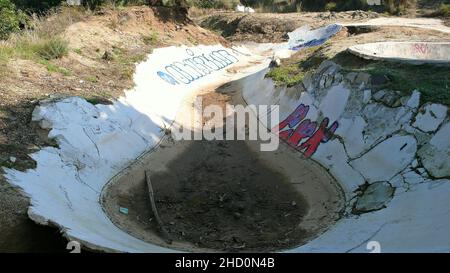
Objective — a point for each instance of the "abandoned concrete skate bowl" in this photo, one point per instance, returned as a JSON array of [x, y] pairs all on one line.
[[225, 195], [405, 52], [355, 164]]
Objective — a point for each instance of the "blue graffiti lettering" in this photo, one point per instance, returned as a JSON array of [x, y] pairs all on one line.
[[167, 78], [197, 66]]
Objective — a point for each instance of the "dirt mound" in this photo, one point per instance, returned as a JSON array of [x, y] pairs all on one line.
[[268, 27]]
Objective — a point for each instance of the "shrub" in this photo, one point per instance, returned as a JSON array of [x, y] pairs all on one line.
[[10, 19], [36, 6], [444, 10], [398, 6], [217, 4], [52, 48], [330, 6]]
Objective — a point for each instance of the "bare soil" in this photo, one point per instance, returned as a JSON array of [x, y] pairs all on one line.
[[225, 195]]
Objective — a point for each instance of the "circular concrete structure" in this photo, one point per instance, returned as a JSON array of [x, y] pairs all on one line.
[[405, 52], [391, 162]]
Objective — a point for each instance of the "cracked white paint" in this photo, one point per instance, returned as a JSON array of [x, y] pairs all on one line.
[[386, 159], [334, 158], [374, 148], [98, 141], [351, 131]]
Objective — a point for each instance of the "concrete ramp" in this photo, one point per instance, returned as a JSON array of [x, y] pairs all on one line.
[[405, 52]]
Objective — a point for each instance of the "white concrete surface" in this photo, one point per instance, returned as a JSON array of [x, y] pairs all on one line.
[[98, 141], [425, 23], [406, 52]]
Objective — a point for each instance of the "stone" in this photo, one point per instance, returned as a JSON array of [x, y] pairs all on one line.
[[389, 98], [422, 171], [334, 102], [397, 181], [333, 157], [386, 159], [379, 95], [367, 95], [383, 121], [363, 79], [441, 139], [351, 77], [430, 117], [421, 137], [379, 80], [435, 154], [414, 100], [412, 178], [351, 132], [374, 197]]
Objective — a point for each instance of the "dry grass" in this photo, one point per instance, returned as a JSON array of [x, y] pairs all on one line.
[[42, 39]]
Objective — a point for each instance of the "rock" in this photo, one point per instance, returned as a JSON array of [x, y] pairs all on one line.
[[367, 96], [375, 197], [275, 62], [387, 158], [379, 95], [12, 159], [383, 121], [397, 181], [363, 78], [412, 178], [334, 102], [351, 132], [414, 100], [123, 210], [421, 137], [435, 154], [108, 56], [351, 77], [422, 171], [333, 157], [415, 163], [379, 80], [389, 98], [430, 117], [441, 139]]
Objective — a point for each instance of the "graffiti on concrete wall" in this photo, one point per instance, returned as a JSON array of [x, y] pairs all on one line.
[[303, 134], [421, 48], [196, 66], [316, 37]]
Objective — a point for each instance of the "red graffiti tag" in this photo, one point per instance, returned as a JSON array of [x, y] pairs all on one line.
[[303, 129], [421, 48]]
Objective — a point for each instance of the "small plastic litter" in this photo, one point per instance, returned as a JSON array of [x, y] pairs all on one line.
[[123, 210], [241, 8]]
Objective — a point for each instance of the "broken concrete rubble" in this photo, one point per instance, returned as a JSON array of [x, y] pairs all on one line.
[[435, 154], [374, 197], [386, 159], [430, 116]]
